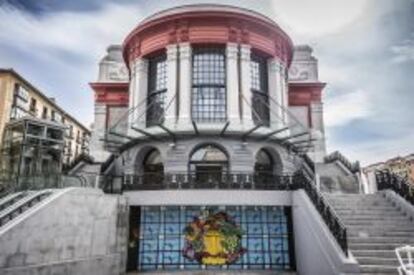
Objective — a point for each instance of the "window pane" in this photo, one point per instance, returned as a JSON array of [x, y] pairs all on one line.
[[260, 92], [209, 85], [157, 87]]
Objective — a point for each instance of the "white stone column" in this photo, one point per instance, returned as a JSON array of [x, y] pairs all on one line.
[[139, 84], [232, 84], [184, 104], [96, 146], [318, 132], [171, 94], [275, 86], [284, 83], [246, 85]]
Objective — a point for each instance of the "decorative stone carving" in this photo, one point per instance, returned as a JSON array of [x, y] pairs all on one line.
[[304, 67]]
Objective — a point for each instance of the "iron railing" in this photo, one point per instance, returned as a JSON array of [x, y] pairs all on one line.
[[197, 180], [10, 183], [327, 212], [252, 181], [388, 180]]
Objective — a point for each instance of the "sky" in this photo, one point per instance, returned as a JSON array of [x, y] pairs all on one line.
[[365, 50]]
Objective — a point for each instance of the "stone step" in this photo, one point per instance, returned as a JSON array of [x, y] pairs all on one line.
[[379, 269], [393, 220], [370, 208], [369, 212], [374, 246], [382, 239], [380, 223], [379, 229], [374, 253], [366, 233], [378, 261]]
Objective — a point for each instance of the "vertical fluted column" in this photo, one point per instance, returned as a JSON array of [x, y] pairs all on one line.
[[97, 148], [139, 90], [246, 85], [232, 85], [318, 132], [171, 95], [185, 85], [275, 86]]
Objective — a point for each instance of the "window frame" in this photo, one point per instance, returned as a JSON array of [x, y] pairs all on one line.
[[261, 92], [154, 92], [203, 112]]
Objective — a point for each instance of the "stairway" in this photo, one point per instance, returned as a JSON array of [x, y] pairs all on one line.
[[15, 204], [375, 228]]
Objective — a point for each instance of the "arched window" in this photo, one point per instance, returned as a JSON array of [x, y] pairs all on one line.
[[157, 87], [208, 163], [260, 90], [264, 162], [263, 168], [208, 84], [153, 168]]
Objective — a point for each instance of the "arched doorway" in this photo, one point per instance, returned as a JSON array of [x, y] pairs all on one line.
[[153, 168], [263, 168], [208, 165]]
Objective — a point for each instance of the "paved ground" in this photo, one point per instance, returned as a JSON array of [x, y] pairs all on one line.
[[215, 272]]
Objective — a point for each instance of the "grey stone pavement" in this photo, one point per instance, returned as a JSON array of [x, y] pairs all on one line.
[[215, 272]]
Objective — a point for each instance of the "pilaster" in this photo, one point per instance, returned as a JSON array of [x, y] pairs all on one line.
[[184, 117], [318, 132], [139, 89], [171, 94], [246, 100], [97, 145], [275, 85], [232, 81]]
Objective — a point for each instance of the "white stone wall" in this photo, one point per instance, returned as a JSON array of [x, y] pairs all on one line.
[[75, 231], [176, 156], [304, 69]]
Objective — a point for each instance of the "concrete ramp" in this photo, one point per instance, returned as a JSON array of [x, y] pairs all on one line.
[[71, 231]]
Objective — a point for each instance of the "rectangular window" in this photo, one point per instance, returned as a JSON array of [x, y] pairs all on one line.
[[209, 85], [45, 113], [33, 108], [157, 88], [260, 91]]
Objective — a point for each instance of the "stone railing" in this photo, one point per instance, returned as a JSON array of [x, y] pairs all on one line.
[[337, 156]]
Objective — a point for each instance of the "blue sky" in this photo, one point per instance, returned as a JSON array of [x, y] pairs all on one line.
[[365, 50]]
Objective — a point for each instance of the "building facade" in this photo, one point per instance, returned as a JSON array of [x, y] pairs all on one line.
[[20, 102], [401, 166], [202, 118]]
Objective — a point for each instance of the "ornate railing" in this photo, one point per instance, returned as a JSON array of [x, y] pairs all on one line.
[[197, 180], [326, 211], [388, 180]]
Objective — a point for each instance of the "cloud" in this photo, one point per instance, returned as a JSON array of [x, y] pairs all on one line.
[[404, 51], [307, 19], [59, 51], [346, 107]]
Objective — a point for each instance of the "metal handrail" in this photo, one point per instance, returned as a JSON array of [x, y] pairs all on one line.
[[197, 180], [327, 212], [9, 214]]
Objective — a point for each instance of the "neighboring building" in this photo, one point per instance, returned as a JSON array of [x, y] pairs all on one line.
[[401, 166], [19, 99]]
